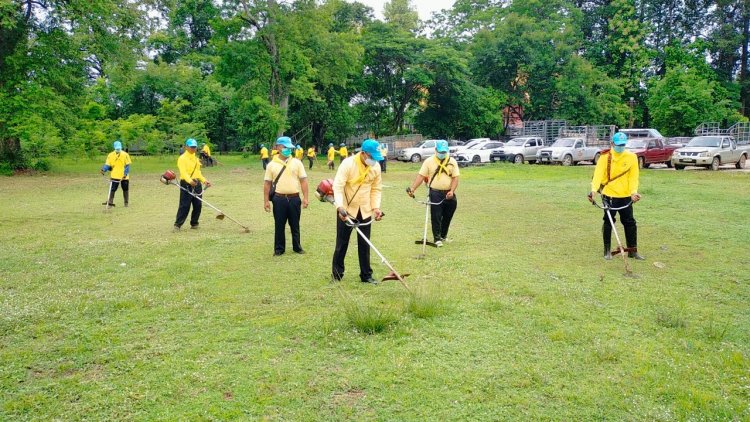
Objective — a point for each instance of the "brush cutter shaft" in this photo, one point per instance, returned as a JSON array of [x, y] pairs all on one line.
[[207, 203]]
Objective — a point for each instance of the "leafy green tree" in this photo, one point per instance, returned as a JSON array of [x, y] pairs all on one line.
[[401, 14]]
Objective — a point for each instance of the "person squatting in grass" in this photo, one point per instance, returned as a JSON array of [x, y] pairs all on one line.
[[264, 155], [118, 162], [616, 178], [192, 180], [343, 152], [331, 156], [282, 184], [357, 190], [440, 173], [311, 156]]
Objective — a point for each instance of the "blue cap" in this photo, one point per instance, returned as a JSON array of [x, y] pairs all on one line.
[[372, 147], [299, 146], [441, 146], [285, 141], [620, 138], [330, 145], [191, 143], [262, 145], [118, 145], [342, 144]]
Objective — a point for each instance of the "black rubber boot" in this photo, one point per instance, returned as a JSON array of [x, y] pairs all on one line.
[[607, 252], [111, 200], [607, 237], [126, 196], [635, 255], [631, 238]]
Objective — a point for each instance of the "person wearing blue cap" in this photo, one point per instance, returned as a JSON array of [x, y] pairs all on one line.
[[616, 179], [264, 155], [283, 181], [192, 180], [440, 173], [384, 153], [299, 152], [357, 190], [343, 152], [118, 162]]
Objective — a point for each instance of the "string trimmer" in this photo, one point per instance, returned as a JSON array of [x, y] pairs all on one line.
[[168, 179], [324, 192]]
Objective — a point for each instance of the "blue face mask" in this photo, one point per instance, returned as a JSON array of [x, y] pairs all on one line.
[[286, 152], [441, 155], [619, 148]]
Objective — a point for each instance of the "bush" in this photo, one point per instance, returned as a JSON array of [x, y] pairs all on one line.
[[41, 165], [369, 319], [6, 169]]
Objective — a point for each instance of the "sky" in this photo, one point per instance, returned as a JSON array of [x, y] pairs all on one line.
[[424, 7]]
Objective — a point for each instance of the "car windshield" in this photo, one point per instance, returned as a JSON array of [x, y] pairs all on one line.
[[636, 143], [472, 144], [516, 142], [564, 142], [705, 141]]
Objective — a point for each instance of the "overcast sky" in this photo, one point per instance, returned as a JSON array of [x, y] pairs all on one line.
[[424, 7]]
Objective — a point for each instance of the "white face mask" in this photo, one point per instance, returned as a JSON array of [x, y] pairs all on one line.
[[441, 155], [370, 162]]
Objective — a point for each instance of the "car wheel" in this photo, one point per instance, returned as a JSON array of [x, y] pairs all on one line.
[[596, 157], [518, 159], [741, 163], [679, 167], [647, 165], [416, 158], [715, 164], [475, 159], [641, 162], [568, 160], [669, 164]]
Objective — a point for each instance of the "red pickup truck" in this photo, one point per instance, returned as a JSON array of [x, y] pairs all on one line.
[[651, 151]]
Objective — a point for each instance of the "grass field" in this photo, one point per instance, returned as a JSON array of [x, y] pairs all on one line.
[[110, 315]]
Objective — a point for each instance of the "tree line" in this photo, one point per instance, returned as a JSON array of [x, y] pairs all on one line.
[[77, 74]]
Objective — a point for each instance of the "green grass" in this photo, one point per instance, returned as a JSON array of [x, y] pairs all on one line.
[[110, 315]]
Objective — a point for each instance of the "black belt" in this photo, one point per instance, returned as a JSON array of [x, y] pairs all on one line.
[[288, 195], [441, 191]]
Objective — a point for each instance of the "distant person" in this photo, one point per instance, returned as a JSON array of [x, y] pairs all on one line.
[[616, 179], [286, 178], [192, 180], [357, 192], [264, 155], [331, 155], [206, 154], [311, 156], [440, 173], [343, 152], [182, 149], [299, 152], [118, 162], [384, 153]]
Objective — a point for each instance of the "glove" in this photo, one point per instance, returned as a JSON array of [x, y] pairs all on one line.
[[591, 196], [410, 192]]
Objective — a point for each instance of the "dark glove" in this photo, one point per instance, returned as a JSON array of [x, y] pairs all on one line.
[[590, 196], [410, 192]]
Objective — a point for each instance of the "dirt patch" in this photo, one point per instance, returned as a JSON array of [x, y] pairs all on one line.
[[349, 397]]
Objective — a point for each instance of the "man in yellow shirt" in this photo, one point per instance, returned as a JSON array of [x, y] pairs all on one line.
[[357, 190], [440, 174], [118, 162], [286, 178], [311, 156], [192, 181], [206, 154], [331, 156], [384, 153], [299, 152], [343, 152], [616, 178], [264, 155]]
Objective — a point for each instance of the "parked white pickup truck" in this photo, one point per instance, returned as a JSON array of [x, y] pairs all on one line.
[[568, 152], [711, 152]]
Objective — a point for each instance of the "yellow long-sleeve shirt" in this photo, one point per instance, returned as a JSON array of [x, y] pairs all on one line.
[[206, 150], [331, 153], [343, 152], [298, 153], [190, 167], [357, 187], [263, 153], [625, 164], [310, 152], [117, 162]]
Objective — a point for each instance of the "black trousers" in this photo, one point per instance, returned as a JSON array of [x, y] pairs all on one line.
[[383, 164], [343, 233], [114, 184], [286, 209], [265, 163], [186, 200], [310, 159], [627, 219], [442, 214]]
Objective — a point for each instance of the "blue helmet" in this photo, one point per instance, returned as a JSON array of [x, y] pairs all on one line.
[[620, 139]]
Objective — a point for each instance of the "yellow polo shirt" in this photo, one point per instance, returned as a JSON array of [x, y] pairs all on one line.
[[190, 167], [343, 152], [356, 187], [206, 150], [311, 152], [263, 153], [443, 179], [625, 163], [289, 182], [117, 162], [298, 153], [331, 153]]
